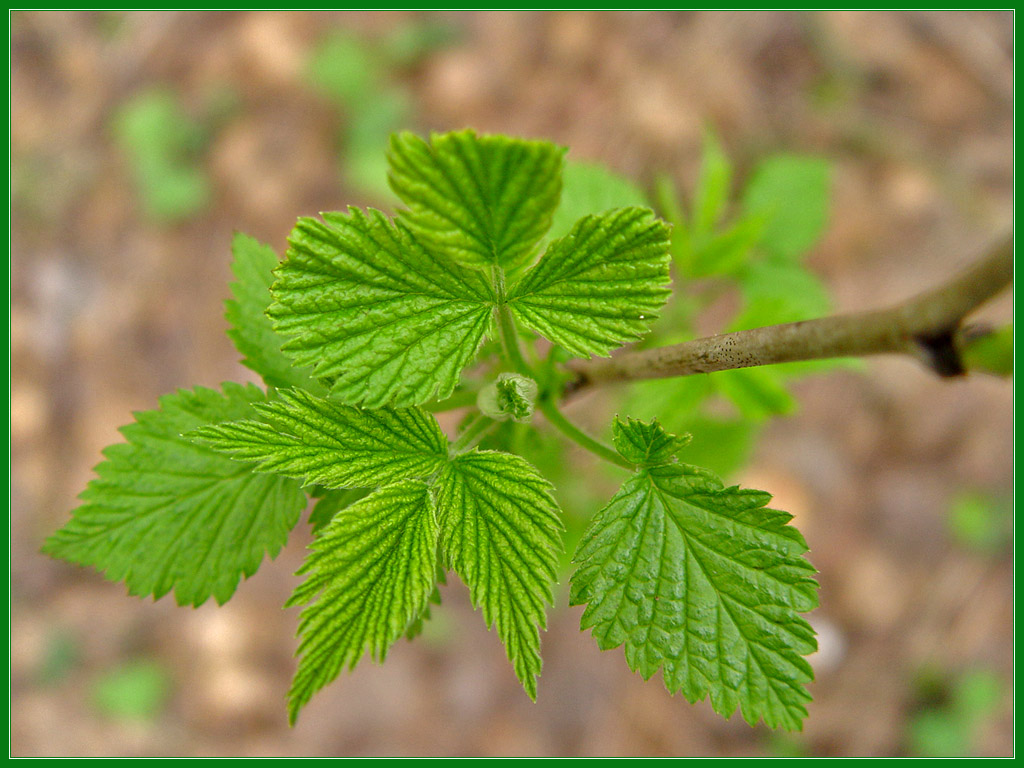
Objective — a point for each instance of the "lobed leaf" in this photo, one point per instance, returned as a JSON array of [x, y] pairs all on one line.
[[330, 444], [164, 513], [384, 321], [706, 583], [250, 328], [500, 532], [601, 285], [646, 444], [481, 200], [369, 576]]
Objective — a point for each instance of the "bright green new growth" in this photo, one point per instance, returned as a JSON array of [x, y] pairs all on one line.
[[387, 312], [511, 396], [646, 444], [600, 286], [165, 514], [481, 200], [701, 581], [380, 319], [373, 569], [251, 330], [337, 446], [367, 319], [500, 533]]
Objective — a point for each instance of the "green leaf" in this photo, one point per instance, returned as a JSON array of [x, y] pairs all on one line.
[[757, 393], [591, 188], [779, 292], [330, 502], [415, 628], [345, 70], [164, 513], [138, 690], [646, 444], [331, 444], [500, 533], [723, 253], [364, 162], [722, 445], [383, 320], [601, 285], [667, 205], [713, 186], [161, 141], [790, 194], [251, 330], [482, 200], [990, 352], [706, 583], [374, 570]]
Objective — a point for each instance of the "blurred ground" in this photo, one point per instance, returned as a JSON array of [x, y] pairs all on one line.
[[110, 310]]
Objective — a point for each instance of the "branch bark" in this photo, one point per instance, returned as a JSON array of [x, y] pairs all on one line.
[[926, 326]]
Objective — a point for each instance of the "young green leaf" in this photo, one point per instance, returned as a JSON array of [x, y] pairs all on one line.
[[415, 628], [500, 532], [373, 568], [704, 582], [713, 186], [164, 513], [646, 444], [482, 200], [723, 253], [776, 292], [330, 444], [790, 194], [330, 502], [251, 330], [387, 322], [591, 188], [599, 286], [757, 393], [511, 396], [990, 352]]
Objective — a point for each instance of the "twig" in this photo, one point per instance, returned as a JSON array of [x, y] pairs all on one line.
[[925, 326]]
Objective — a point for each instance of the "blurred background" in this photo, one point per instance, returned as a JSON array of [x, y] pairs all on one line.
[[141, 141]]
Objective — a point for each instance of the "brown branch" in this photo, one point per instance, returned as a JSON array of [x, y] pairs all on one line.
[[926, 326]]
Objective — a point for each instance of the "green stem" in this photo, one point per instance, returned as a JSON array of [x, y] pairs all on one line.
[[472, 434], [925, 326], [507, 327], [557, 419], [514, 355]]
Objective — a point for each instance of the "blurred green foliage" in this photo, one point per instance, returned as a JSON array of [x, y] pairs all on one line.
[[61, 654], [981, 522], [952, 711], [748, 243], [785, 745], [360, 76], [991, 352], [588, 188], [745, 242], [163, 146], [138, 690]]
